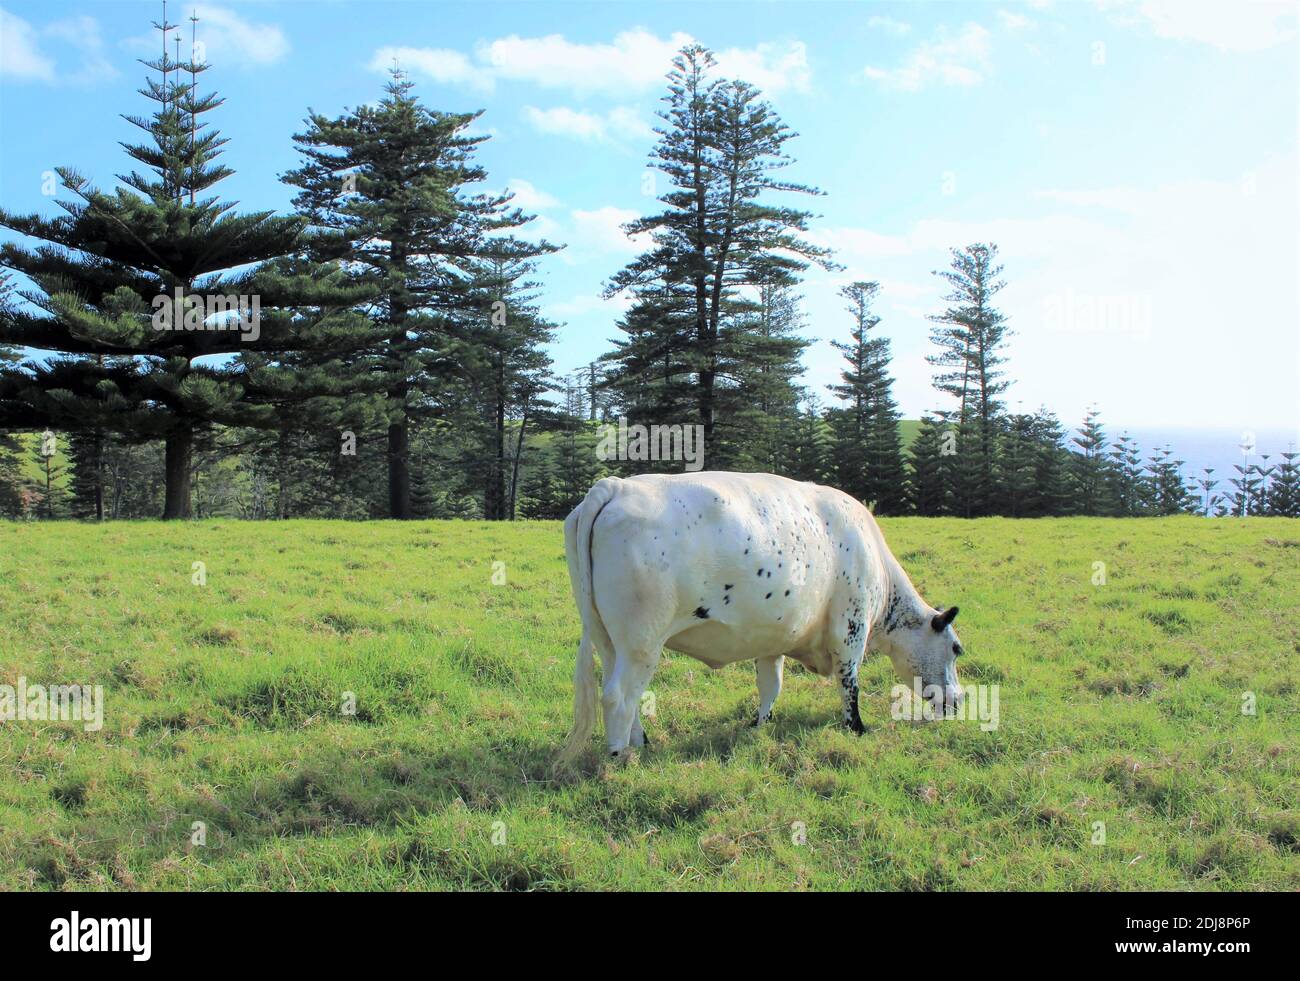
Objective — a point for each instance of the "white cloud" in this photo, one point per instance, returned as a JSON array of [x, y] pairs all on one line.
[[626, 122], [772, 67], [888, 24], [1112, 281], [22, 55], [620, 122], [529, 197], [564, 121], [227, 38], [635, 61], [860, 244], [439, 64], [948, 59], [1013, 21], [1249, 26], [601, 230], [589, 303]]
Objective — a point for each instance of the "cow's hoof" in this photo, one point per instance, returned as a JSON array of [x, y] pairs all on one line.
[[759, 720], [856, 727]]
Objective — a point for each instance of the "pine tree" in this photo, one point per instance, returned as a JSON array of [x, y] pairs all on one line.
[[1052, 492], [970, 335], [1284, 491], [577, 467], [47, 459], [928, 488], [1090, 466], [809, 444], [759, 361], [13, 497], [87, 453], [1264, 477], [721, 147], [504, 374], [1016, 456], [1128, 485], [867, 446], [119, 263], [1170, 493], [409, 229], [972, 470], [541, 493], [1212, 500], [650, 369], [1245, 490], [12, 490]]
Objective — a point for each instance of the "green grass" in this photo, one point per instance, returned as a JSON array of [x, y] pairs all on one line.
[[908, 429], [1120, 703]]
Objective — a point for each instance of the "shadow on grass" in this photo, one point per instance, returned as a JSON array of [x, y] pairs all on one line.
[[401, 782]]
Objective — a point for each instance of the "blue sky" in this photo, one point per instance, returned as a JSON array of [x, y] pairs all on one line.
[[1135, 161]]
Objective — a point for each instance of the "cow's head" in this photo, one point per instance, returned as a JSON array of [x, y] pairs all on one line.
[[926, 647]]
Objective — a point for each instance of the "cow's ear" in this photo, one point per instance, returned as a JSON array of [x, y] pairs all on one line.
[[941, 620]]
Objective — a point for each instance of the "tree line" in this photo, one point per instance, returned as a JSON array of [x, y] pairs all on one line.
[[390, 360]]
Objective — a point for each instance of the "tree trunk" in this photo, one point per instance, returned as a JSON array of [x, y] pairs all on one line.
[[495, 505], [282, 473], [519, 452], [99, 476], [99, 462], [179, 456], [399, 471], [399, 433]]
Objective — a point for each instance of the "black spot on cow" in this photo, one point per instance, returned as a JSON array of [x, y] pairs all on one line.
[[760, 572], [702, 612], [768, 596], [787, 592], [728, 585]]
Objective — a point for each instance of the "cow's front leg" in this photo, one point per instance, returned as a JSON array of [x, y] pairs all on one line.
[[848, 656], [849, 698], [769, 671]]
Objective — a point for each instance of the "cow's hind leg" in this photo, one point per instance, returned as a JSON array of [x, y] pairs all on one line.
[[624, 686], [769, 670], [638, 736]]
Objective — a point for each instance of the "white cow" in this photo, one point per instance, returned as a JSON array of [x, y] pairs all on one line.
[[739, 567]]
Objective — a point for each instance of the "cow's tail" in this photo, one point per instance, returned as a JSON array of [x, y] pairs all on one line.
[[577, 547]]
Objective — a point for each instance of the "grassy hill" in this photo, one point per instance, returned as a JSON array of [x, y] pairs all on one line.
[[907, 430], [227, 719]]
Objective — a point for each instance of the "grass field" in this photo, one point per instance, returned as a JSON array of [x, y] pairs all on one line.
[[1120, 703]]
